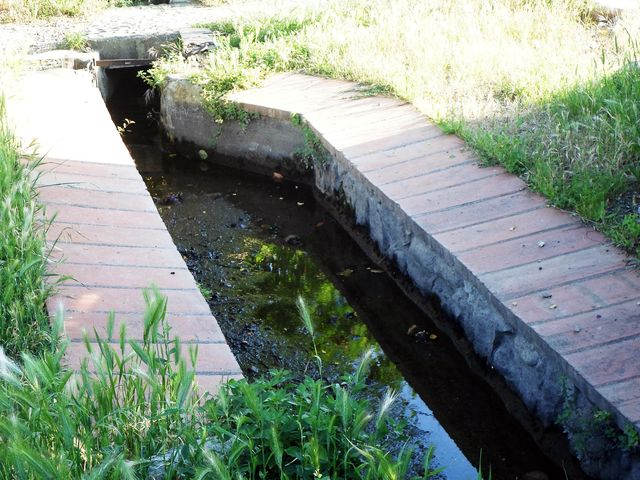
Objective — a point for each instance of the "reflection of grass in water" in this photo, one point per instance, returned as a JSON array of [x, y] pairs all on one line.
[[279, 274]]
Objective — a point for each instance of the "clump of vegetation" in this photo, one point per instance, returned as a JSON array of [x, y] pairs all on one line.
[[593, 430], [75, 41], [313, 152], [246, 52], [129, 403], [133, 411], [535, 86], [24, 10], [23, 318], [580, 148]]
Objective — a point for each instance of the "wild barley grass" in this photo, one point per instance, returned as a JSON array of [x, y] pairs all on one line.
[[132, 411], [129, 409], [23, 320], [533, 85]]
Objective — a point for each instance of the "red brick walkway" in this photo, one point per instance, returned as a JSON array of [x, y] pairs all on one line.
[[106, 228], [561, 278]]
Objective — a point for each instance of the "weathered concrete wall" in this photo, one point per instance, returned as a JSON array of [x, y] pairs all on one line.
[[132, 46], [512, 348], [266, 144]]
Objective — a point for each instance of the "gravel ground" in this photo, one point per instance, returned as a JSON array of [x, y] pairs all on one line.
[[41, 36]]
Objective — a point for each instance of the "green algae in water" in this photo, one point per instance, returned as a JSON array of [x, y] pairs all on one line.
[[280, 274]]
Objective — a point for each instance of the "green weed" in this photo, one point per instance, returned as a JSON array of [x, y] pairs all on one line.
[[206, 292], [130, 408], [626, 233], [313, 153], [591, 429], [75, 41]]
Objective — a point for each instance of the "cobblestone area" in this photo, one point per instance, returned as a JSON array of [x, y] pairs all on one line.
[[131, 22]]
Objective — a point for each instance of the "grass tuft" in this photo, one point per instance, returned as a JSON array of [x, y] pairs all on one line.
[[535, 86]]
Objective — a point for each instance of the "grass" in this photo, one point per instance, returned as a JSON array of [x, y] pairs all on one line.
[[535, 86], [23, 319], [30, 10], [133, 411]]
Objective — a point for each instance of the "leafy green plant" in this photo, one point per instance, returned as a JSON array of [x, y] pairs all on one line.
[[313, 152], [205, 291], [279, 428], [130, 407], [588, 427], [626, 233], [630, 438]]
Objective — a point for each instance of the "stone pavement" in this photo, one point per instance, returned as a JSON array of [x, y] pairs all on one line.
[[106, 229], [563, 282]]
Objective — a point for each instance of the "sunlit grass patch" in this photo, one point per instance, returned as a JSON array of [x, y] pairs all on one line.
[[580, 147], [29, 10]]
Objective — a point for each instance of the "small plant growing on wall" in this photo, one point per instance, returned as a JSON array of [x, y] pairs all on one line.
[[588, 427], [313, 153]]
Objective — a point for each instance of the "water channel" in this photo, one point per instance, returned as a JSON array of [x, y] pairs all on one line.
[[254, 244]]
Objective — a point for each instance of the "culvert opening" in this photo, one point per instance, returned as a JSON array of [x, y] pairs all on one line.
[[255, 243]]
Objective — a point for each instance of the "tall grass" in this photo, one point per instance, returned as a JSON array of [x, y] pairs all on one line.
[[128, 403], [133, 411], [581, 148], [23, 319], [533, 85]]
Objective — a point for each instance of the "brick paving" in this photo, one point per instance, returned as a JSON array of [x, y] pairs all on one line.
[[575, 290], [106, 231]]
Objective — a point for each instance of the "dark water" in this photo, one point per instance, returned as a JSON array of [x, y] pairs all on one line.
[[254, 245]]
